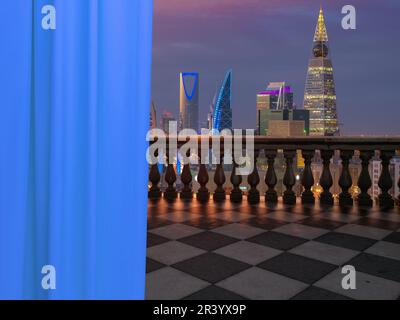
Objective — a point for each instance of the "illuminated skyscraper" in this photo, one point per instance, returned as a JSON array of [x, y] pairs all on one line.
[[222, 111], [320, 93], [189, 101]]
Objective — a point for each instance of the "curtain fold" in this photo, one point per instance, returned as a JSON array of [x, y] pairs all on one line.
[[73, 172]]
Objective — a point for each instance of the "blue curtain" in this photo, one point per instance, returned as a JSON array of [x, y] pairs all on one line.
[[74, 113]]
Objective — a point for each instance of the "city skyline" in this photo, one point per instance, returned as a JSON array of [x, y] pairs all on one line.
[[282, 55]]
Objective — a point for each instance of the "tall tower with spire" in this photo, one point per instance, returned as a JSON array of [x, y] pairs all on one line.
[[320, 93]]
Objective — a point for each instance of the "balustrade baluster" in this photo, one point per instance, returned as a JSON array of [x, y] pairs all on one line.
[[271, 180], [326, 180], [154, 177], [219, 179], [186, 178], [253, 180], [289, 180], [170, 193], [364, 181], [307, 179], [345, 181], [236, 180], [385, 182], [203, 195]]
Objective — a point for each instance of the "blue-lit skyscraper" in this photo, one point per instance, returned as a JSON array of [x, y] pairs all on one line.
[[189, 101], [222, 113]]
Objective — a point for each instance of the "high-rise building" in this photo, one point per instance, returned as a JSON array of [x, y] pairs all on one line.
[[222, 110], [267, 116], [153, 116], [189, 101], [320, 93], [166, 118], [286, 128], [277, 96]]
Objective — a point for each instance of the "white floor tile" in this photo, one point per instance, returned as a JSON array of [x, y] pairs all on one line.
[[325, 252], [302, 231], [232, 216], [171, 284], [239, 231], [364, 231], [172, 252], [258, 284], [248, 252], [385, 249]]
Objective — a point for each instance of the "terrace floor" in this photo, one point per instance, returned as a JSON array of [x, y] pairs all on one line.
[[227, 251]]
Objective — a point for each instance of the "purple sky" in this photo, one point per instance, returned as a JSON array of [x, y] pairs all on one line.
[[270, 40]]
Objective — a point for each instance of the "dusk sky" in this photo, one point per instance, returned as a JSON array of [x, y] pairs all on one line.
[[265, 41]]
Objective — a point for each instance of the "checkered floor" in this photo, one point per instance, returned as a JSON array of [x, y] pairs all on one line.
[[236, 252]]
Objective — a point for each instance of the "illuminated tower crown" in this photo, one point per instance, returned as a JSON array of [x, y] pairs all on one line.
[[321, 35]]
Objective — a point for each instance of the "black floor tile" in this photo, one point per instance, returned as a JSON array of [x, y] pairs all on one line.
[[154, 240], [208, 240], [162, 207], [255, 209], [264, 222], [297, 267], [155, 222], [277, 240], [318, 222], [152, 265], [393, 237], [315, 293], [211, 267], [377, 223], [377, 266], [346, 241], [206, 222], [210, 208], [214, 293]]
